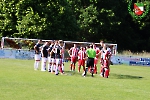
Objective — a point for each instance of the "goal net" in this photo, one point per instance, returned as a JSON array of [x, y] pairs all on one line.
[[18, 43], [69, 44], [24, 44]]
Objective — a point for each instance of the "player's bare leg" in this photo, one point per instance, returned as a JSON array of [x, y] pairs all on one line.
[[62, 66], [74, 67], [79, 68], [95, 69], [36, 64], [49, 67], [71, 66], [84, 68], [106, 72]]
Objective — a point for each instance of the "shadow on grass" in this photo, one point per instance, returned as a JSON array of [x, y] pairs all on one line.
[[75, 73], [70, 73], [119, 76]]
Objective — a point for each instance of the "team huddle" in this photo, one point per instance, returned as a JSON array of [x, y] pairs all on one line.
[[53, 52], [87, 57]]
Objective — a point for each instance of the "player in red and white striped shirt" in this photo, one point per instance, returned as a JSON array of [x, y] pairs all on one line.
[[81, 59], [96, 58], [106, 54], [73, 52], [61, 42]]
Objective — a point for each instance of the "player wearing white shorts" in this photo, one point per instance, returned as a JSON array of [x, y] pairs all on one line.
[[51, 57], [61, 43], [37, 56], [57, 50], [106, 54], [44, 52]]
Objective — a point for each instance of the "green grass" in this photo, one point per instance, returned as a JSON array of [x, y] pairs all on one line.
[[18, 81]]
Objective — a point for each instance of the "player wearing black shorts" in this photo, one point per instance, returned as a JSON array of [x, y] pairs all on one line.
[[91, 54]]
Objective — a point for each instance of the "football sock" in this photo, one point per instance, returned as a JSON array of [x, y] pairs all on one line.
[[79, 67], [37, 64], [62, 67], [84, 68], [51, 68], [71, 67], [74, 67], [56, 70], [106, 72], [48, 67]]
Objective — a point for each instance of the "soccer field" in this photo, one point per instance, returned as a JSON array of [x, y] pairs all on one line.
[[18, 81]]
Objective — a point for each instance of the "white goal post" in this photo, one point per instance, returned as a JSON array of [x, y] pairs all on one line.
[[69, 44], [28, 44]]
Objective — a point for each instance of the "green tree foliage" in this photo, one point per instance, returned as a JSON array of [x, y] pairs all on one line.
[[79, 20], [8, 19]]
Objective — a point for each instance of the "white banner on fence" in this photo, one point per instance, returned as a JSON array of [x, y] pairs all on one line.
[[26, 54], [16, 54]]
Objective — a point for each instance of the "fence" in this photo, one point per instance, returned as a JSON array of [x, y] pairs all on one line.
[[16, 54], [29, 54]]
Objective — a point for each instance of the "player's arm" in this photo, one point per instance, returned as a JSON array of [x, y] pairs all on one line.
[[51, 53], [61, 50], [79, 55], [99, 54], [48, 51], [77, 51], [95, 54], [35, 48], [86, 53], [85, 56], [42, 51], [53, 50], [69, 52]]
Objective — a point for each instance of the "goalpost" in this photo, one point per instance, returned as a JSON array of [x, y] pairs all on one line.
[[69, 44], [17, 48], [26, 46]]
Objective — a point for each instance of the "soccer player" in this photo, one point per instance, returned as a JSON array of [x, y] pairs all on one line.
[[37, 56], [51, 57], [61, 43], [96, 58], [44, 52], [73, 53], [85, 52], [57, 51], [101, 44], [101, 56], [81, 59], [106, 54], [91, 54]]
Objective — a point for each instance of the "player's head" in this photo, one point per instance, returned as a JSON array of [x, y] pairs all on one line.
[[74, 45], [92, 43], [46, 43], [94, 46], [87, 47], [84, 48], [61, 42], [91, 46], [108, 49], [56, 42], [102, 43], [39, 41], [105, 46], [81, 48], [52, 42]]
